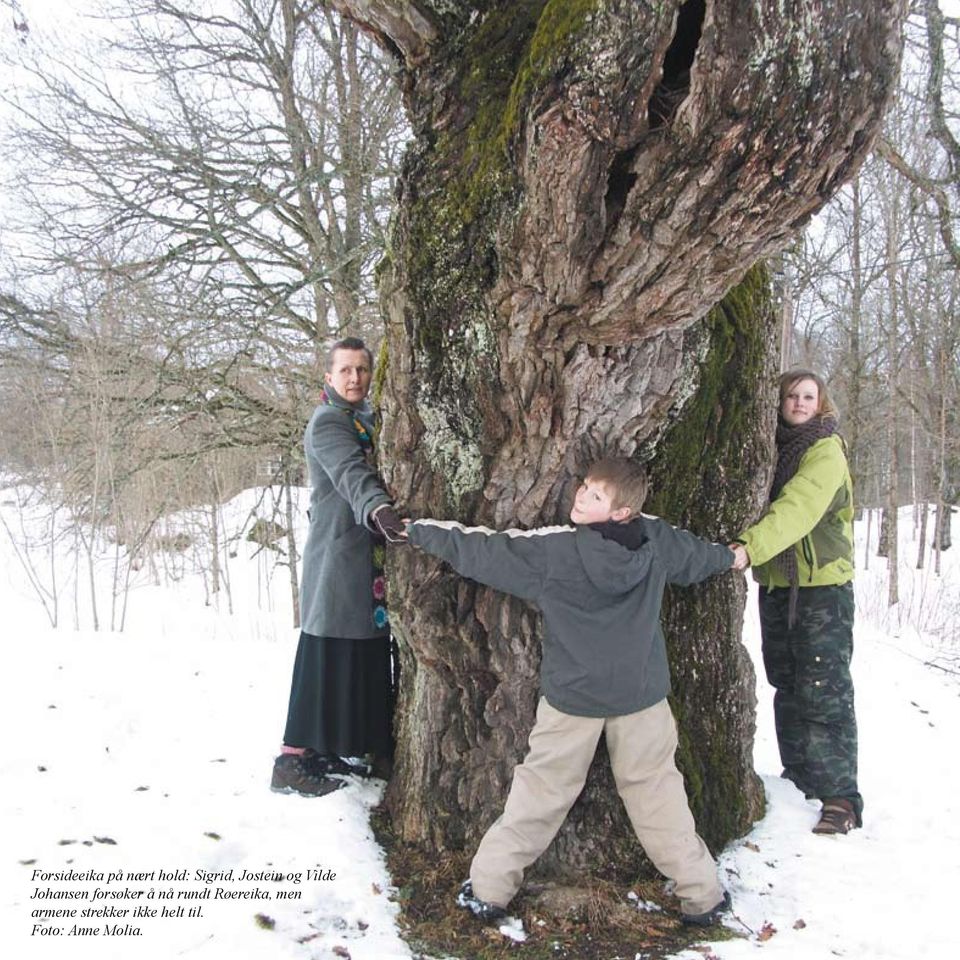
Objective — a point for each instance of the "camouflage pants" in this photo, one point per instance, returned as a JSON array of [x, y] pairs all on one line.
[[809, 667]]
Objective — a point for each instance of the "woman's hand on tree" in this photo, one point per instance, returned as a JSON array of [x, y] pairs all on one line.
[[387, 521]]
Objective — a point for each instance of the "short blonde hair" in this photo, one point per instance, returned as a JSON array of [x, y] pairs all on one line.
[[826, 409], [347, 343], [625, 480]]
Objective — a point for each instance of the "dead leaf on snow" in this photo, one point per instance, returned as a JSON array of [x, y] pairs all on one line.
[[766, 932], [799, 925], [750, 845], [339, 951]]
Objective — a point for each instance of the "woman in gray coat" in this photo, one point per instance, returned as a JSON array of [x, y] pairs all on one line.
[[341, 699]]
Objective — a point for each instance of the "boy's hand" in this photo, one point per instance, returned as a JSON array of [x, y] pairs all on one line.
[[741, 559], [388, 522]]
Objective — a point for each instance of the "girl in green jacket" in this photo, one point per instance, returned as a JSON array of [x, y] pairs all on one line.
[[802, 554]]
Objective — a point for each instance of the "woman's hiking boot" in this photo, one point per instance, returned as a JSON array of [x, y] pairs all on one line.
[[343, 767], [303, 773], [837, 816]]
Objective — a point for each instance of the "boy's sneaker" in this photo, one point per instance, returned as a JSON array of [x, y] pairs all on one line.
[[709, 917], [301, 773], [487, 912]]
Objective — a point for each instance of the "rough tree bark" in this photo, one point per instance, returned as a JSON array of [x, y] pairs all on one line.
[[588, 178]]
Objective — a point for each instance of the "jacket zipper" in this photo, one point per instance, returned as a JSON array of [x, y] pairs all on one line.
[[807, 549]]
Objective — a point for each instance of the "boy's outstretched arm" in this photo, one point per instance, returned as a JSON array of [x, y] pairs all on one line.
[[686, 557], [513, 561]]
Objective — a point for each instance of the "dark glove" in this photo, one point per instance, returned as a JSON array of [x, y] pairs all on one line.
[[387, 521], [629, 535]]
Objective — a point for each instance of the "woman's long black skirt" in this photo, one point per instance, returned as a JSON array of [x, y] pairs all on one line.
[[342, 696]]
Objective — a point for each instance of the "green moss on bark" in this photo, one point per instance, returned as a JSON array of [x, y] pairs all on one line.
[[380, 374], [505, 62], [469, 195], [703, 478], [704, 449]]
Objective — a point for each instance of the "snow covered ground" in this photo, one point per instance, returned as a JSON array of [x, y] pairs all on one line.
[[140, 761]]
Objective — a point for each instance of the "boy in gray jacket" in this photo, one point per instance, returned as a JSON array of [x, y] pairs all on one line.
[[604, 670]]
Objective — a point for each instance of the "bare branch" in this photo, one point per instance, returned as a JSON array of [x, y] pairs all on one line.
[[931, 189]]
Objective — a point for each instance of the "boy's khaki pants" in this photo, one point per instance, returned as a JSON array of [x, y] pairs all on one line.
[[641, 747]]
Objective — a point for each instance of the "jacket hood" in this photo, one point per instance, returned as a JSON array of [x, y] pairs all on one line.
[[632, 534], [611, 568]]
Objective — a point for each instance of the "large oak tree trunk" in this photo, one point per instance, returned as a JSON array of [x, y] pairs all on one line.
[[587, 180]]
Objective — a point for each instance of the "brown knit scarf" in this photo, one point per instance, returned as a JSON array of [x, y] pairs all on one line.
[[792, 444]]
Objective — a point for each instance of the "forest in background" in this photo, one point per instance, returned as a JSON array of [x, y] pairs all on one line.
[[195, 200]]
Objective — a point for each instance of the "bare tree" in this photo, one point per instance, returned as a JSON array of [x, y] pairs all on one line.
[[27, 541], [861, 259], [837, 269], [252, 149], [890, 522], [239, 165], [227, 174], [940, 102]]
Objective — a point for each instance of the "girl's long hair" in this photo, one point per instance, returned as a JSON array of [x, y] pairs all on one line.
[[826, 410]]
